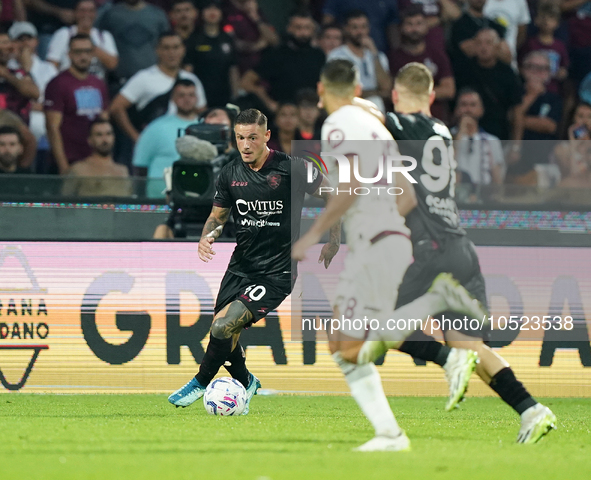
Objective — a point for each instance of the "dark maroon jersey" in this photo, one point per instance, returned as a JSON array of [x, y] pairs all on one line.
[[267, 210], [11, 99]]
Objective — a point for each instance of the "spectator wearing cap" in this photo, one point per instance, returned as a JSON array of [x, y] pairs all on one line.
[[155, 149], [329, 38], [251, 31], [462, 44], [382, 16], [24, 36], [136, 27], [17, 88], [105, 57], [150, 89], [289, 68], [372, 64], [73, 100], [478, 153], [416, 46], [211, 52], [48, 16]]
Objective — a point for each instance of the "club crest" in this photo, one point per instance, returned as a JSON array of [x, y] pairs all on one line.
[[274, 180]]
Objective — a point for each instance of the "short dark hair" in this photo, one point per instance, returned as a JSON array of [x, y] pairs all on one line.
[[340, 76], [78, 2], [468, 91], [79, 36], [252, 116], [167, 34], [355, 13], [174, 3], [306, 96], [549, 9], [183, 82], [7, 130], [300, 13], [329, 26], [98, 121], [412, 11]]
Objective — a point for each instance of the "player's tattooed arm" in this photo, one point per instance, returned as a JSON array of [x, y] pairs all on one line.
[[231, 320], [330, 249], [211, 231]]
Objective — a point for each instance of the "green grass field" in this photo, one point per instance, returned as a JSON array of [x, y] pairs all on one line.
[[143, 437]]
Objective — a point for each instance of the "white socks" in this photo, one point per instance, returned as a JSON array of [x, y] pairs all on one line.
[[366, 388]]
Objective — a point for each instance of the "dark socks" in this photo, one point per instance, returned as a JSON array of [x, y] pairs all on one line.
[[422, 346], [512, 391], [236, 366], [216, 354]]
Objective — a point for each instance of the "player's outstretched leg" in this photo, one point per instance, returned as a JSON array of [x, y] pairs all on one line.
[[229, 321], [236, 366], [458, 369], [536, 419]]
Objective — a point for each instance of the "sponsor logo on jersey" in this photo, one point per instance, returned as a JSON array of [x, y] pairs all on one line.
[[260, 207]]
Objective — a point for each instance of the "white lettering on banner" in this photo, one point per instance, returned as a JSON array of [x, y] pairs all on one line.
[[261, 207]]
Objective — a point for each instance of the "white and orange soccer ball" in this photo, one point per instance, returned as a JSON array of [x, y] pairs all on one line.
[[224, 396]]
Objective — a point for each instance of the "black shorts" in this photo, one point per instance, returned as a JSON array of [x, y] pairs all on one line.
[[260, 296], [456, 256]]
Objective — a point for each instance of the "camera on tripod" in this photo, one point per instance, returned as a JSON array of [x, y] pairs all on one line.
[[202, 148]]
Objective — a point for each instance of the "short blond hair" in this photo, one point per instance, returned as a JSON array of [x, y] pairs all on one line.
[[416, 78]]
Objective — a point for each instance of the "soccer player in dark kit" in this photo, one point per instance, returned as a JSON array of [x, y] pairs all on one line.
[[265, 189]]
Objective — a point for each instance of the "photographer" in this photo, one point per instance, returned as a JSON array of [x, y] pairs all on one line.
[[190, 148]]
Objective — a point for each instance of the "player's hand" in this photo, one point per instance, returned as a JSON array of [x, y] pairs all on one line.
[[298, 251], [204, 250], [367, 42], [328, 253]]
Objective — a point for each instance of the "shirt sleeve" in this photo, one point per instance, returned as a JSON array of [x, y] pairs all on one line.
[[384, 61], [133, 89], [222, 197], [58, 46], [498, 156], [145, 148], [524, 15], [201, 97], [54, 100], [109, 44]]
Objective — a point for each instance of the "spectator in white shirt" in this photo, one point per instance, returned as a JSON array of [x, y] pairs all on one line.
[[479, 154], [150, 89], [106, 56], [24, 36]]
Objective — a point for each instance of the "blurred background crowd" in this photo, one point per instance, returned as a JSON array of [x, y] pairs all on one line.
[[100, 88]]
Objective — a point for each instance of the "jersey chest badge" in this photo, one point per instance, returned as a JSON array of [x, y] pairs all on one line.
[[274, 180]]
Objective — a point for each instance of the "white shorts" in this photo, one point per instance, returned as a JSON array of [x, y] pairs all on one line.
[[368, 285]]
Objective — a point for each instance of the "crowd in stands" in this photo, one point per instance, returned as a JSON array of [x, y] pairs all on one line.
[[100, 88]]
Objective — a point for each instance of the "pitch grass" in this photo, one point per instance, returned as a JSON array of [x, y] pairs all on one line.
[[143, 437]]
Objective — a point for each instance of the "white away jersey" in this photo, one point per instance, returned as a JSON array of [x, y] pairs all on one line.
[[353, 131]]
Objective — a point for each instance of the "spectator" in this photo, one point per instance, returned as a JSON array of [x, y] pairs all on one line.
[[12, 11], [183, 15], [547, 21], [9, 119], [149, 90], [24, 36], [308, 115], [495, 81], [382, 16], [286, 125], [17, 88], [478, 153], [73, 100], [136, 27], [578, 16], [11, 149], [437, 12], [48, 16], [372, 64], [155, 149], [289, 68], [574, 156], [514, 15], [211, 52], [331, 37], [463, 35], [98, 174], [416, 47], [252, 33], [105, 57]]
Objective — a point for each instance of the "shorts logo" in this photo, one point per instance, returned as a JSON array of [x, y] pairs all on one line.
[[274, 180]]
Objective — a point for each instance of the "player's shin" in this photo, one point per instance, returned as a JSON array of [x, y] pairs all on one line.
[[218, 350], [236, 365], [366, 388]]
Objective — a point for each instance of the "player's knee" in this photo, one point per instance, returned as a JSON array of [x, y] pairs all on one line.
[[220, 330]]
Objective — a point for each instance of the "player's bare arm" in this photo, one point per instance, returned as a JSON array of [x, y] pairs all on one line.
[[211, 231], [330, 249]]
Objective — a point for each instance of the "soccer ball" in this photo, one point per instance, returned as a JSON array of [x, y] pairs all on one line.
[[224, 396]]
